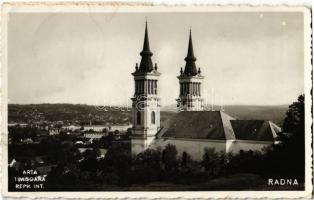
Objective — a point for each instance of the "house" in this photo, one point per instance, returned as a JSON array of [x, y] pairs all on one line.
[[102, 152], [27, 141], [82, 150], [120, 128], [54, 132], [103, 128], [96, 128], [22, 125], [95, 135], [70, 127]]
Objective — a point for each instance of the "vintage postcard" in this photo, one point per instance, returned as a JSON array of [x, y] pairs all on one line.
[[144, 101]]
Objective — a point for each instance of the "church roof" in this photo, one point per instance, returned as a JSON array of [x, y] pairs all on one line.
[[146, 64], [217, 125], [199, 125], [262, 130], [190, 67]]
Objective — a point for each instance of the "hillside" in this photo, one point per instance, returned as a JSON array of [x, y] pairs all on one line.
[[69, 113], [274, 113], [80, 113]]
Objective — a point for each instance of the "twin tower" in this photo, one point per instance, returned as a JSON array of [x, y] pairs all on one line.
[[145, 102]]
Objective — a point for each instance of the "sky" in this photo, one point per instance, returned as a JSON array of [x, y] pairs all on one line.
[[247, 58]]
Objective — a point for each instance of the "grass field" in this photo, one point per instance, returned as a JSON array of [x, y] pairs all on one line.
[[236, 182]]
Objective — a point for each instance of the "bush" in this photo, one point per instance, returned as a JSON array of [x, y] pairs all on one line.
[[169, 157], [147, 167]]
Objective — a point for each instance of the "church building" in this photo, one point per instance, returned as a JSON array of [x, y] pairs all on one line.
[[193, 128]]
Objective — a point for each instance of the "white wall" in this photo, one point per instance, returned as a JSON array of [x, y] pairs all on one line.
[[94, 135], [95, 128], [237, 145], [195, 148], [139, 145]]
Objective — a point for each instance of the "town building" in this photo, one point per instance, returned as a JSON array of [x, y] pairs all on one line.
[[95, 135]]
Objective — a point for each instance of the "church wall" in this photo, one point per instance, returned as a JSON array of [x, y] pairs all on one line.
[[152, 128], [247, 145], [139, 145], [195, 148]]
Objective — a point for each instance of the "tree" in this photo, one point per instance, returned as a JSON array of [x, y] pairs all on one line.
[[288, 157], [82, 127], [106, 141], [169, 157], [149, 157], [90, 162], [294, 123], [116, 132], [147, 166], [128, 133], [211, 161], [118, 157]]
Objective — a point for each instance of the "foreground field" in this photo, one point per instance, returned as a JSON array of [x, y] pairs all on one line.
[[237, 182]]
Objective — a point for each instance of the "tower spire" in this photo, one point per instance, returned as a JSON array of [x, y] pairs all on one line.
[[190, 67], [145, 101], [146, 64]]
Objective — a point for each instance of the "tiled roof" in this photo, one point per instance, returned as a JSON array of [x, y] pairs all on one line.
[[253, 130], [196, 125], [217, 125]]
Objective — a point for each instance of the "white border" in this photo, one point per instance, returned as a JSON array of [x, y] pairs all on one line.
[[101, 7]]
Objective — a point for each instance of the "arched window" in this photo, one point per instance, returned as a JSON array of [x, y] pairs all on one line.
[[153, 117], [138, 118]]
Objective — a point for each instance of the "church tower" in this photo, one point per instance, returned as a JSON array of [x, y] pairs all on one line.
[[190, 83], [145, 102]]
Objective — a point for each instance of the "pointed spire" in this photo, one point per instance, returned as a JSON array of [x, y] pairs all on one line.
[[146, 48], [190, 68], [190, 49], [146, 64]]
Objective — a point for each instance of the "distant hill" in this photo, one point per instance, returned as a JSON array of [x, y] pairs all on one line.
[[274, 113], [69, 113], [81, 113]]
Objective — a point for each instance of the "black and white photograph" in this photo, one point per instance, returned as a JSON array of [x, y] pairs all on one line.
[[157, 99]]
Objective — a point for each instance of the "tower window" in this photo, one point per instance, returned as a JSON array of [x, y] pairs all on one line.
[[188, 88], [138, 118], [136, 87], [155, 87], [153, 117], [148, 87]]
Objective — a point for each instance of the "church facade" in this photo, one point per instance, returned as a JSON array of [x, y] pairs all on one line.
[[192, 129]]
